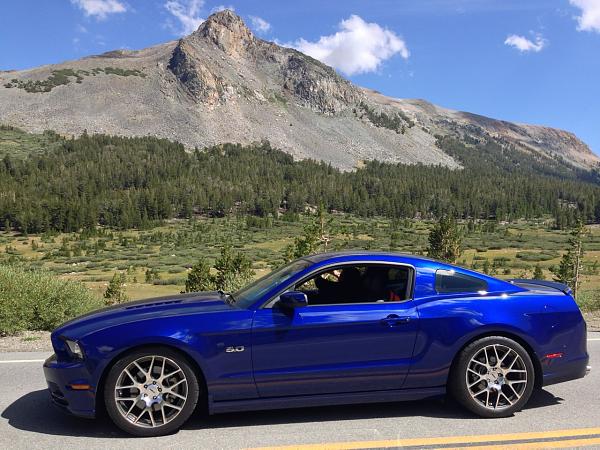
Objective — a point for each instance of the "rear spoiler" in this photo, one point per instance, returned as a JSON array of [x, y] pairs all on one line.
[[543, 284]]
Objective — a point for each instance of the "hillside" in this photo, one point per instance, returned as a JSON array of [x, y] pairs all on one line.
[[223, 84]]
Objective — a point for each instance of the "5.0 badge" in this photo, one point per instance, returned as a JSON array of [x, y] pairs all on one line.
[[235, 349]]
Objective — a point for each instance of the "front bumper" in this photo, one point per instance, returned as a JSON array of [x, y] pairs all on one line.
[[60, 376]]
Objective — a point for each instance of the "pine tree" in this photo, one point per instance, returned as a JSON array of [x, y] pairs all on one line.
[[199, 278], [569, 269], [234, 270], [445, 241], [305, 244], [115, 292], [151, 275], [316, 236], [486, 266], [538, 273]]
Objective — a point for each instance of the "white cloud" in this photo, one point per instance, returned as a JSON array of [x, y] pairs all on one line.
[[187, 12], [357, 47], [259, 24], [219, 8], [523, 44], [100, 9], [589, 20]]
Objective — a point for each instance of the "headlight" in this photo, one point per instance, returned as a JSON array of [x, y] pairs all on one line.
[[74, 348]]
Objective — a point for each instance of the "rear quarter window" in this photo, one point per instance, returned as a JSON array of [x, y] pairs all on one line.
[[449, 282]]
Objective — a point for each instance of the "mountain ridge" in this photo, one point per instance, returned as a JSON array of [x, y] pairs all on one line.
[[223, 84]]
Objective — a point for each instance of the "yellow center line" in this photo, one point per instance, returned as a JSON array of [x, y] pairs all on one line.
[[568, 443], [448, 440]]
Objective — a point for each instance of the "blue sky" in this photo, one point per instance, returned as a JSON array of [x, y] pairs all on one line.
[[533, 61]]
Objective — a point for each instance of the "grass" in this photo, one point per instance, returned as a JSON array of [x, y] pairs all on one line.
[[589, 300]]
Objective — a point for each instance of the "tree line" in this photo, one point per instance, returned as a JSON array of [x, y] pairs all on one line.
[[137, 182]]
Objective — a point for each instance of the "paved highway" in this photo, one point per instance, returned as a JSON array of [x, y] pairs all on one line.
[[560, 416]]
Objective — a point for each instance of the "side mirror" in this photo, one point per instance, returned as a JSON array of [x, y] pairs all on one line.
[[292, 299]]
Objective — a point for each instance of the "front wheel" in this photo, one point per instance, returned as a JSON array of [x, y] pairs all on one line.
[[493, 377], [151, 392]]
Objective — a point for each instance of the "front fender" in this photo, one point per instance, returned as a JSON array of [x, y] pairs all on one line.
[[202, 337]]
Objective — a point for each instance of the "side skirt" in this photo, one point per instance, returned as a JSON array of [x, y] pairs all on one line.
[[303, 401]]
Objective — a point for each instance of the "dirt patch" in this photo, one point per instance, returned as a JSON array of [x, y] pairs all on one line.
[[28, 341]]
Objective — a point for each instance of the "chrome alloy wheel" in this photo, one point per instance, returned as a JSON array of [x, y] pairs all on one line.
[[496, 377], [151, 391]]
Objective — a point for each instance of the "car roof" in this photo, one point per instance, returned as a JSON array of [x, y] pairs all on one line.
[[371, 254]]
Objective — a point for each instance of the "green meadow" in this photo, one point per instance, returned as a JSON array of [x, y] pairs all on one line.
[[156, 261]]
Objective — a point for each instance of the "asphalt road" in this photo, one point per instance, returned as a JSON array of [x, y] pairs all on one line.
[[563, 415]]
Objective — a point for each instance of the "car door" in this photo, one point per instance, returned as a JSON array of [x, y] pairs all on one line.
[[333, 348]]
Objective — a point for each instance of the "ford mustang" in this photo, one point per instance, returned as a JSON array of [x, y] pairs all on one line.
[[334, 328]]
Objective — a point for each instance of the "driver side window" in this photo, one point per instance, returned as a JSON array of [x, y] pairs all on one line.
[[362, 283]]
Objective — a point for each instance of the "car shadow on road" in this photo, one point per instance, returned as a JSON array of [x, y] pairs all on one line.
[[34, 413], [444, 408]]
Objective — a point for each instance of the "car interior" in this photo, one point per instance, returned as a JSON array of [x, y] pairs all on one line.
[[358, 284]]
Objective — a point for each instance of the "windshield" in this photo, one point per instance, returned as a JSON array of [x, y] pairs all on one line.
[[255, 290]]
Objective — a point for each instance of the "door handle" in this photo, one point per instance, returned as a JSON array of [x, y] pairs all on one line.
[[394, 319]]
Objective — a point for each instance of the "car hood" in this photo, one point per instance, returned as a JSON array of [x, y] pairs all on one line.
[[193, 303]]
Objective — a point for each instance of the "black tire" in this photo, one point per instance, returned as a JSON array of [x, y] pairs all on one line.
[[188, 407], [458, 383]]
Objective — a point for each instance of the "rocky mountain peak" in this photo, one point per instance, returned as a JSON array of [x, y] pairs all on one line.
[[223, 84], [227, 31], [222, 61]]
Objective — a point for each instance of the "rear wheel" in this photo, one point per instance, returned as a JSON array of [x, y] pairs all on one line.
[[151, 392], [493, 377]]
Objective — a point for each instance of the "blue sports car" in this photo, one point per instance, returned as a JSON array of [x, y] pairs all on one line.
[[333, 328]]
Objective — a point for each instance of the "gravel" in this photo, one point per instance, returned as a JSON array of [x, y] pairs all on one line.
[[593, 320], [28, 341]]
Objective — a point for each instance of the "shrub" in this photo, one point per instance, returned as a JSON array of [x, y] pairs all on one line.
[[537, 256], [501, 261], [169, 282], [37, 300]]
